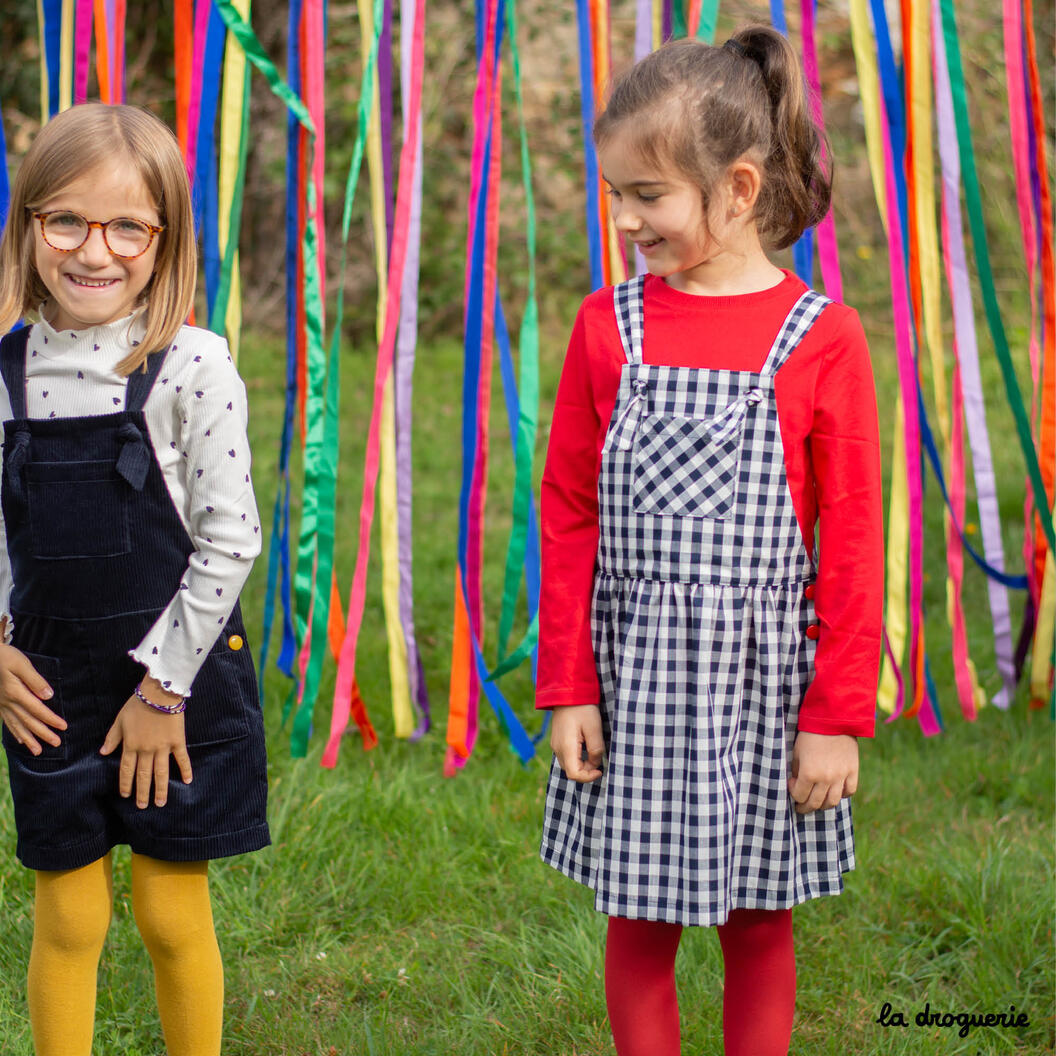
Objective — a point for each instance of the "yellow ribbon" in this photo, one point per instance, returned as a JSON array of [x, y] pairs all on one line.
[[1044, 632], [66, 48], [402, 713], [231, 104], [898, 510]]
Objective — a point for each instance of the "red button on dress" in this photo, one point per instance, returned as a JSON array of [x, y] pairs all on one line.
[[813, 631], [808, 592]]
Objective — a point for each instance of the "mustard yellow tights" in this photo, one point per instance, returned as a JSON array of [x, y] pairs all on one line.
[[170, 901]]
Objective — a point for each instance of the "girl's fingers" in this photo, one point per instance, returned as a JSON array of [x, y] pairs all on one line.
[[144, 776], [110, 742], [37, 728], [21, 734], [21, 697], [127, 771], [183, 763], [161, 779]]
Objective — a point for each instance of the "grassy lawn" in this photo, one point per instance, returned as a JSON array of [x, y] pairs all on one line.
[[400, 912]]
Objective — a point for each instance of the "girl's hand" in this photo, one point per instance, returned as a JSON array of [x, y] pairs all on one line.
[[573, 729], [147, 738], [824, 770], [22, 707]]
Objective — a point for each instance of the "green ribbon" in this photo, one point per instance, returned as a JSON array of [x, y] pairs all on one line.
[[709, 17], [986, 278], [528, 418], [218, 318], [316, 543], [257, 57], [679, 24], [315, 547]]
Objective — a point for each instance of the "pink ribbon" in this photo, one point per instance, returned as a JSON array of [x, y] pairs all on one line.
[[346, 667], [828, 250], [82, 50]]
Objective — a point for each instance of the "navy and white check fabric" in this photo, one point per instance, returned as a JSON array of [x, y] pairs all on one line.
[[699, 622]]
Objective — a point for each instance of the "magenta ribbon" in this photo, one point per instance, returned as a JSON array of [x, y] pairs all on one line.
[[828, 250], [907, 374], [966, 352], [346, 668], [82, 50]]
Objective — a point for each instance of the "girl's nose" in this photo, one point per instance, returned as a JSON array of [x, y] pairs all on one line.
[[94, 249], [624, 217]]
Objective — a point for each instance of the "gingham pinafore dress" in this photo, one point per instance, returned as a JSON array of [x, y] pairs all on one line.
[[699, 623]]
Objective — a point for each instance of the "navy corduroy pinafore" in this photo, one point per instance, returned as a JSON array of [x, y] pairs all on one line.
[[97, 551]]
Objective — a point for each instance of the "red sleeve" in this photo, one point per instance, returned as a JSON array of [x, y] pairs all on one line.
[[566, 672], [845, 453]]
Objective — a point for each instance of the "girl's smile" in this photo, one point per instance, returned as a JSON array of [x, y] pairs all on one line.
[[90, 286]]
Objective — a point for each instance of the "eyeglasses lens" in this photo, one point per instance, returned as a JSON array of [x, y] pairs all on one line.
[[124, 237]]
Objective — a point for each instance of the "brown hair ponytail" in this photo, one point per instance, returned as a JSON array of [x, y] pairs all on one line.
[[797, 188], [700, 108]]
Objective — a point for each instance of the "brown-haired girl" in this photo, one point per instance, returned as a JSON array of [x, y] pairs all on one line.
[[709, 659], [129, 527]]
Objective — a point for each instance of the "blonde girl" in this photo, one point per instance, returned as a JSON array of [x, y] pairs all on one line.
[[129, 704]]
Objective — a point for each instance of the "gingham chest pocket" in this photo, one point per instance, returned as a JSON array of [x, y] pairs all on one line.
[[687, 467]]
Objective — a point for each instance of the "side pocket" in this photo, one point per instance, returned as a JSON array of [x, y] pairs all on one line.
[[224, 691], [49, 668]]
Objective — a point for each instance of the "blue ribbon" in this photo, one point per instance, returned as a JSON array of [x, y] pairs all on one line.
[[803, 248], [279, 549], [590, 156], [207, 194], [5, 191], [1015, 582], [52, 11], [519, 739]]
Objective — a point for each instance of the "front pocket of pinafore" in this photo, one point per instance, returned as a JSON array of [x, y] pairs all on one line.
[[687, 467], [77, 509], [49, 669]]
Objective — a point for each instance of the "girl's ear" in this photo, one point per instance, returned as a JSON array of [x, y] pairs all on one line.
[[744, 181]]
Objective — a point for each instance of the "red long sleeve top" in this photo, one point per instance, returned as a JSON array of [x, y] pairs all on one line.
[[826, 406]]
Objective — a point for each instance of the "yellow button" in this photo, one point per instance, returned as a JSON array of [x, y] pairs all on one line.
[[234, 642]]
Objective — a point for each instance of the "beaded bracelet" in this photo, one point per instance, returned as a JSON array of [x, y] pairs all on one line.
[[167, 709]]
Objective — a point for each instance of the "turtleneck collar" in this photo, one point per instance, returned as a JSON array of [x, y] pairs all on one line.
[[121, 333]]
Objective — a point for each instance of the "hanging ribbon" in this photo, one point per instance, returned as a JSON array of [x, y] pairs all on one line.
[[226, 315], [82, 50], [524, 419], [206, 188], [5, 188], [828, 251], [986, 280], [397, 260], [404, 373], [590, 156], [482, 311], [380, 190], [926, 282], [967, 373], [279, 548]]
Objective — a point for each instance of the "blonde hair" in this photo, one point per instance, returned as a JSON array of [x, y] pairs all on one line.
[[69, 146], [700, 108]]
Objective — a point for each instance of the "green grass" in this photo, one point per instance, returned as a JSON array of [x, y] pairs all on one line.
[[401, 913]]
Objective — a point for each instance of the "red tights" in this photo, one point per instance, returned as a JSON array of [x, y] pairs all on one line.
[[759, 991]]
